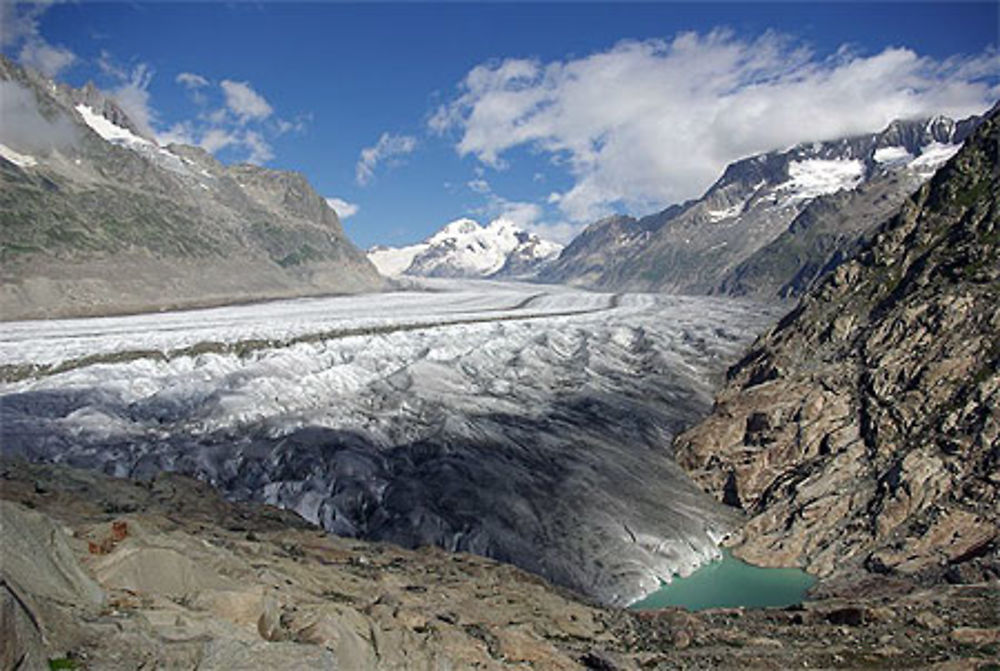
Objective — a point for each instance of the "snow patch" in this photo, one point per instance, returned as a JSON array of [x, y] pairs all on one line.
[[892, 155], [727, 213], [463, 248], [933, 156], [394, 261], [17, 158], [109, 131], [123, 137], [816, 177]]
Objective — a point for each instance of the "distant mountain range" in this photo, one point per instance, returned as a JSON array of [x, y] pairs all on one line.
[[771, 224], [96, 217], [463, 248]]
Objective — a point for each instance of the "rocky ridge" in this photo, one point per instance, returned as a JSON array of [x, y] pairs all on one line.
[[87, 199], [771, 224], [862, 433]]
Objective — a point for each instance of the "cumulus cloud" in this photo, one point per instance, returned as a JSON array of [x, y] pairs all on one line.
[[648, 123], [389, 147], [244, 102], [524, 214], [343, 208], [19, 27]]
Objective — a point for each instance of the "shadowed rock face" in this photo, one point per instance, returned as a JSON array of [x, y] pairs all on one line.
[[97, 226], [864, 430]]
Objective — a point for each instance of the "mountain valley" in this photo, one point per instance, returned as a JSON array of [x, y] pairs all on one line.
[[230, 438]]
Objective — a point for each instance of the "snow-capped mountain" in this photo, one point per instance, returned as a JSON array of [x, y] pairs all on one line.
[[463, 248], [100, 218], [841, 187]]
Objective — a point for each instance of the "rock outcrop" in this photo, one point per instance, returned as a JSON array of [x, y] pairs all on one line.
[[102, 573], [98, 218], [863, 431]]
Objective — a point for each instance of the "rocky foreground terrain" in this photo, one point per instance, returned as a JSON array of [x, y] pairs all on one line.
[[862, 433], [101, 573]]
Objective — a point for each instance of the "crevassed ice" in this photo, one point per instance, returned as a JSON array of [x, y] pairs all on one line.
[[537, 433]]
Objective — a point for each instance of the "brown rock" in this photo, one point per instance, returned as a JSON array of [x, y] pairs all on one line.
[[862, 430], [975, 636]]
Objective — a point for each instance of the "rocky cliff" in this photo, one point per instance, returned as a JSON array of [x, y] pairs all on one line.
[[863, 431], [97, 218]]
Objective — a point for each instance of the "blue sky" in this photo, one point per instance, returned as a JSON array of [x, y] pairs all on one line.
[[413, 115]]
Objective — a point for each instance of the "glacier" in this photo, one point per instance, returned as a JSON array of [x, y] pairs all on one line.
[[527, 423]]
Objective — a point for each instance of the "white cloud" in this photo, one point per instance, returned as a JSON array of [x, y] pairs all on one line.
[[217, 139], [648, 123], [522, 213], [48, 59], [191, 80], [179, 133], [22, 126], [19, 26], [525, 214], [479, 186], [282, 126], [131, 91], [244, 102], [343, 208], [562, 231], [387, 147], [259, 149]]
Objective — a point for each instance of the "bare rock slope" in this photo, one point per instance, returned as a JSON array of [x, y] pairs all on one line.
[[97, 218], [863, 431]]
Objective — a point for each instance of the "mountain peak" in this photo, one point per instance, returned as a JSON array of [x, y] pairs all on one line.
[[458, 227], [464, 248]]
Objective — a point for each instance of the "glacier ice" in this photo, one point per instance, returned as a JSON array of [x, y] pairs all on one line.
[[530, 424]]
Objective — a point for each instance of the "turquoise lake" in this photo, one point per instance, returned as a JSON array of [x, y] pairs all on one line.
[[731, 582]]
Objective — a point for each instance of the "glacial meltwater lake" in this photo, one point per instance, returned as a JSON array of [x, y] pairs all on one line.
[[731, 582]]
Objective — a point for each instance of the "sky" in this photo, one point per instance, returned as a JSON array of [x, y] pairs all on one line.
[[408, 116]]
